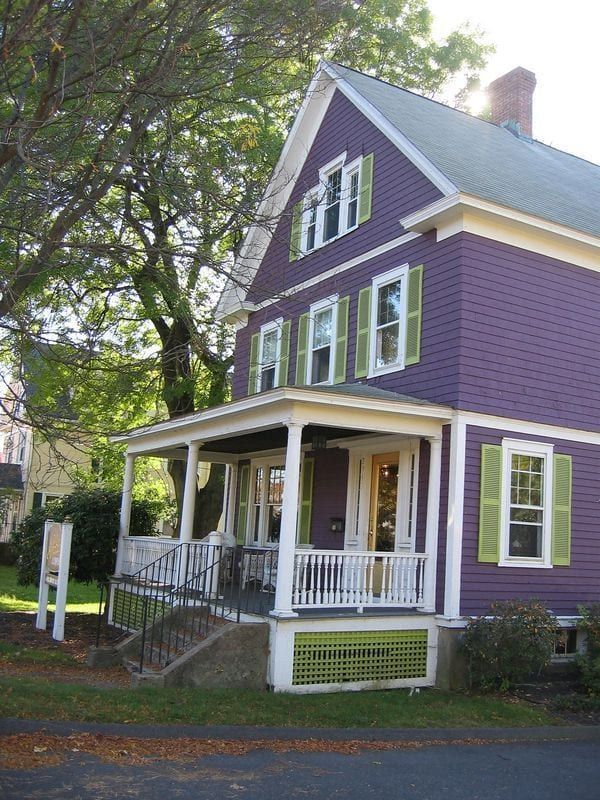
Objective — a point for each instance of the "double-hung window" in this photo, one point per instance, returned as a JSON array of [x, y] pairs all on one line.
[[269, 356], [267, 498], [270, 342], [388, 315], [323, 321]]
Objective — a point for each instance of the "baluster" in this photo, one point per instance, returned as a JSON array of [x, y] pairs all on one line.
[[338, 572], [296, 594], [371, 575], [326, 580]]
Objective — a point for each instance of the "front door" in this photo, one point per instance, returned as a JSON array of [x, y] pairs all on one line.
[[383, 513]]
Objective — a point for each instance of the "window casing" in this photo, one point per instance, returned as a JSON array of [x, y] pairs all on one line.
[[321, 341], [331, 209], [269, 355], [526, 527], [388, 321], [266, 500]]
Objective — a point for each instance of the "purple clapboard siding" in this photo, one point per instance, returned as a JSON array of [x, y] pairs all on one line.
[[530, 339], [435, 377], [398, 189], [561, 588], [329, 497]]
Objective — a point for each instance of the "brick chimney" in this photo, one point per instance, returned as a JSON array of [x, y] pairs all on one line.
[[511, 98]]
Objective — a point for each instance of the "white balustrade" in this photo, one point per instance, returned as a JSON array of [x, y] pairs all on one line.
[[139, 551], [327, 578]]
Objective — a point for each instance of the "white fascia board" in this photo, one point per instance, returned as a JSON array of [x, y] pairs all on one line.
[[291, 160], [427, 218], [421, 162], [525, 428]]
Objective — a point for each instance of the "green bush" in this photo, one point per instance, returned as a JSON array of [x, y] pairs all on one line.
[[511, 644], [95, 516], [588, 663]]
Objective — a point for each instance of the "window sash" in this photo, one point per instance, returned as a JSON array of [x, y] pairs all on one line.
[[323, 323], [269, 354], [388, 321]]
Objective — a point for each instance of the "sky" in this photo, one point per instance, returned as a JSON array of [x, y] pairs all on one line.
[[557, 41]]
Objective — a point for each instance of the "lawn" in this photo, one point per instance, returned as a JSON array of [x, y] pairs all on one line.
[[81, 597], [40, 698]]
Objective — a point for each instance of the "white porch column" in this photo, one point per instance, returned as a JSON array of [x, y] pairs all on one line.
[[289, 517], [229, 498], [186, 529], [433, 521], [125, 517]]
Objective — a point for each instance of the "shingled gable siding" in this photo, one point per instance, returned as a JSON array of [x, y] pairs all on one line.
[[435, 376], [530, 336], [561, 588], [398, 189]]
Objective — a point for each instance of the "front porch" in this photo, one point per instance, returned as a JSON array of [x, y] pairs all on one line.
[[330, 512]]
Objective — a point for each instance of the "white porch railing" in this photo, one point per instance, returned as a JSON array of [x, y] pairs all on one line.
[[139, 551], [327, 578]]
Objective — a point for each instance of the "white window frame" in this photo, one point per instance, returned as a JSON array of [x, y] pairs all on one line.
[[392, 276], [275, 325], [256, 464], [328, 302], [319, 193], [512, 447]]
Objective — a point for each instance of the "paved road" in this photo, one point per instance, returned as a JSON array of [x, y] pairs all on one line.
[[551, 770]]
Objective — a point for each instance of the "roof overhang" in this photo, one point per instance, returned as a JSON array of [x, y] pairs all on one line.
[[278, 407], [462, 212]]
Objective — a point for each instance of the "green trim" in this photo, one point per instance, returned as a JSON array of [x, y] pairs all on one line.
[[341, 341], [489, 503], [358, 656], [306, 495], [363, 333], [128, 609], [284, 354], [365, 193], [561, 510], [243, 498], [413, 315], [296, 232], [302, 355], [253, 365]]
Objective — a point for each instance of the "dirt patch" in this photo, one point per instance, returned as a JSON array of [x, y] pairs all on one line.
[[563, 699], [18, 628]]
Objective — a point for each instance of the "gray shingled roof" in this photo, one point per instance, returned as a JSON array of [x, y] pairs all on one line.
[[487, 161], [10, 477], [369, 392]]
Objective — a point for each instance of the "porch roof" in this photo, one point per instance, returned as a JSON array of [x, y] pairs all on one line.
[[257, 422]]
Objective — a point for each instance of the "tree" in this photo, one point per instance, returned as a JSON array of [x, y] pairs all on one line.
[[131, 169]]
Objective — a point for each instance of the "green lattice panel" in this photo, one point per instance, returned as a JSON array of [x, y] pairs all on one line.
[[128, 609], [355, 656]]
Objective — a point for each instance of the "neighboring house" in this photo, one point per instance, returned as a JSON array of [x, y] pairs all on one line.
[[33, 470], [415, 424]]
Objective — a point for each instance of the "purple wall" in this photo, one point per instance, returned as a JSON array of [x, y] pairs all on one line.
[[561, 588], [398, 189], [436, 376], [329, 497], [530, 339]]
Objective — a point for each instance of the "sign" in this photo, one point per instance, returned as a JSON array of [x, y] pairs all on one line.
[[56, 555]]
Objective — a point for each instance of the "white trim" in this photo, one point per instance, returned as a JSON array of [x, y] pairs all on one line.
[[423, 164], [541, 429], [398, 274], [523, 447], [456, 499], [321, 305]]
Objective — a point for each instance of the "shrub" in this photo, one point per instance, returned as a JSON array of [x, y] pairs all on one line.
[[95, 517], [510, 645], [588, 663]]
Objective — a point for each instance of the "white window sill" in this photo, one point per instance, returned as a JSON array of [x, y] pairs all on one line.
[[385, 370], [329, 241], [524, 563]]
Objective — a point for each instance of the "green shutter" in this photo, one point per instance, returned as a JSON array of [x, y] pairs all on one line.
[[242, 517], [363, 333], [253, 367], [284, 354], [365, 194], [296, 232], [306, 492], [561, 510], [489, 503], [413, 315], [302, 349], [341, 341]]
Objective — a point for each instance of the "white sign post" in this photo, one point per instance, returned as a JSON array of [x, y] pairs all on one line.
[[56, 554]]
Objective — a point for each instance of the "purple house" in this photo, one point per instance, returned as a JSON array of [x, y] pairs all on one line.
[[415, 423]]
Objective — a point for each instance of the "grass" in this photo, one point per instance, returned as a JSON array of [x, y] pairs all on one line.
[[29, 698], [21, 654], [81, 597]]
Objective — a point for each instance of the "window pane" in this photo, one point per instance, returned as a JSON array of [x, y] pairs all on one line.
[[276, 476], [269, 350], [525, 541], [526, 515], [332, 222], [353, 200], [388, 303], [387, 345], [258, 485], [322, 327], [334, 187], [267, 378], [320, 365]]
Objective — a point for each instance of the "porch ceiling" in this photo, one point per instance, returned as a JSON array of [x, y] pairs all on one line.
[[257, 423]]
